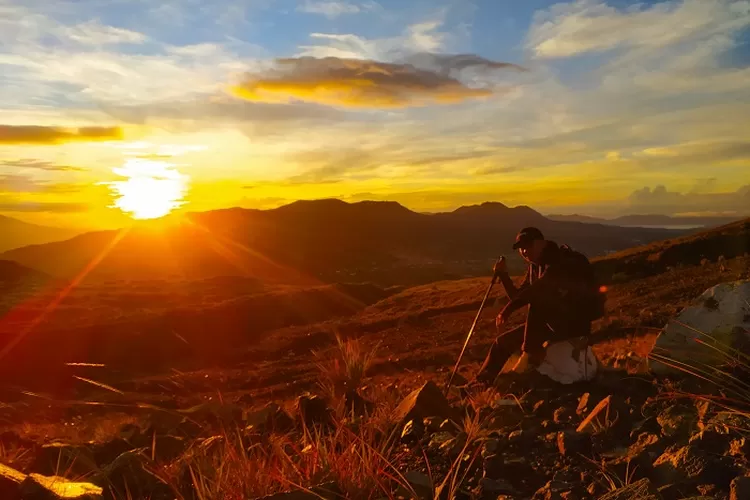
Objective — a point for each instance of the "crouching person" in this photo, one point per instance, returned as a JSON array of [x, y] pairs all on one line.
[[562, 295]]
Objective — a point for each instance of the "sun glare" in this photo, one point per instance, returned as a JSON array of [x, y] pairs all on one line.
[[152, 189]]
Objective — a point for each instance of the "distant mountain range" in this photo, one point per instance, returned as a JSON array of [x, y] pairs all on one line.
[[15, 233], [309, 242], [655, 220]]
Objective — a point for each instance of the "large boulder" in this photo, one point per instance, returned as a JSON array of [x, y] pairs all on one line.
[[427, 401], [566, 362], [38, 487], [717, 320]]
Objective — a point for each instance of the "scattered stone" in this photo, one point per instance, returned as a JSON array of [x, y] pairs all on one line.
[[677, 421], [554, 490], [539, 406], [515, 436], [583, 404], [432, 424], [680, 465], [440, 438], [641, 490], [711, 441], [493, 466], [490, 447], [357, 405], [427, 401], [448, 425], [412, 432], [454, 446], [739, 448], [314, 412], [105, 453], [562, 416], [739, 488], [649, 425], [586, 424], [421, 484], [570, 443], [39, 487]]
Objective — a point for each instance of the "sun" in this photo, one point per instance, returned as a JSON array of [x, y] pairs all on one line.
[[151, 189]]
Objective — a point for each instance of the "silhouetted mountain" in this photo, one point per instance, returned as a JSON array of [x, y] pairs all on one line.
[[654, 220], [15, 233], [13, 272], [326, 240]]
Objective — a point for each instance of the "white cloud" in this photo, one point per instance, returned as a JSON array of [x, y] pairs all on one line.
[[333, 9], [95, 33], [587, 26], [424, 36]]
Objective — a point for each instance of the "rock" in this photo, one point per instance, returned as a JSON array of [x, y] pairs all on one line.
[[432, 424], [583, 404], [427, 401], [357, 405], [649, 425], [492, 466], [570, 443], [189, 429], [412, 432], [10, 482], [421, 484], [490, 447], [440, 438], [448, 425], [562, 416], [678, 421], [270, 418], [105, 453], [491, 488], [739, 489], [314, 412], [739, 447], [722, 313], [127, 477], [689, 464], [56, 458], [553, 490], [454, 446], [711, 442], [640, 490], [39, 487]]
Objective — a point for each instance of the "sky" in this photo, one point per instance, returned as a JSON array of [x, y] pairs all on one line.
[[113, 109]]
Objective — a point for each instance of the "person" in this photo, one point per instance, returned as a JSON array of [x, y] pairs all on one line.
[[562, 294]]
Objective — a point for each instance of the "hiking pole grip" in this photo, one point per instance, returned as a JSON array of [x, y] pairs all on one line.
[[473, 325]]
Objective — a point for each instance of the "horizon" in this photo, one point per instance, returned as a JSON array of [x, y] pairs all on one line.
[[119, 111]]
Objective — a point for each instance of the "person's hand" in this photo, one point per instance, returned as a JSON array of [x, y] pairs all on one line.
[[500, 267], [501, 319]]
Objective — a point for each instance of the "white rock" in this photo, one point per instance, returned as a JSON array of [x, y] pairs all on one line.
[[719, 317], [559, 363]]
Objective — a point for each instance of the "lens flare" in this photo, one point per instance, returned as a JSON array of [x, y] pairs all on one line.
[[152, 189]]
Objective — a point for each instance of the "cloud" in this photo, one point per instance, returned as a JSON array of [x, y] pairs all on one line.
[[360, 83], [663, 201], [35, 134], [19, 183], [40, 207], [589, 26], [95, 33], [33, 164], [333, 9]]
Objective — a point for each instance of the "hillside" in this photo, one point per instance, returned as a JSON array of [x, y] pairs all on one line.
[[654, 220], [721, 243], [309, 242], [15, 233]]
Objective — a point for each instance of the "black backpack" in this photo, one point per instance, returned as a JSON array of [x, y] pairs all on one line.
[[578, 267]]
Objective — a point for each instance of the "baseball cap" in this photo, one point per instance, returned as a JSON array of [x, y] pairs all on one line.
[[526, 236]]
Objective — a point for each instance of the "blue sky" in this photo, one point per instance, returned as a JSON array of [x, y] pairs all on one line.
[[602, 107]]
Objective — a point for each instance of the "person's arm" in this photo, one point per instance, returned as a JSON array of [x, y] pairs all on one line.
[[529, 293], [510, 288]]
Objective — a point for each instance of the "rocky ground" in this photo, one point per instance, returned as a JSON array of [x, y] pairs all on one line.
[[373, 421]]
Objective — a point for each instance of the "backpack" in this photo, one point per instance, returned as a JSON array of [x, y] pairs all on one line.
[[594, 296]]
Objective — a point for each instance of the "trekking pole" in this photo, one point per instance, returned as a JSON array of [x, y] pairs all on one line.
[[471, 331]]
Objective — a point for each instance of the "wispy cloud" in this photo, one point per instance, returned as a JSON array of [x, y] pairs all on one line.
[[34, 164], [34, 134], [333, 9], [364, 83]]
